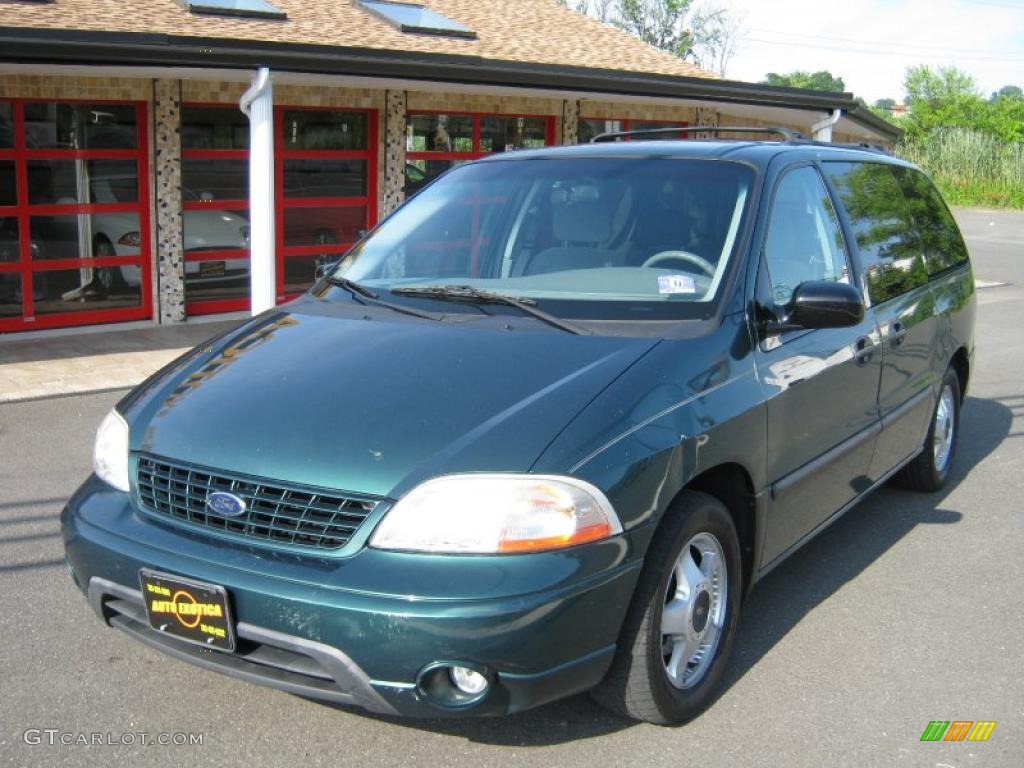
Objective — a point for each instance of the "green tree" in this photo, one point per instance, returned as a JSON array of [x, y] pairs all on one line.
[[1009, 92], [818, 81], [665, 24], [885, 105], [932, 86], [1004, 117], [940, 98], [701, 32]]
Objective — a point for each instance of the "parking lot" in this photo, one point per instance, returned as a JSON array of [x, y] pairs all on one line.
[[907, 610]]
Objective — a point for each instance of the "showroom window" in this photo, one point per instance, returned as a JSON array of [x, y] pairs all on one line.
[[589, 127], [215, 207], [74, 213], [437, 141], [325, 196], [326, 189]]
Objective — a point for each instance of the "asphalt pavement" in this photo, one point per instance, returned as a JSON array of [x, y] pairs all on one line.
[[907, 610]]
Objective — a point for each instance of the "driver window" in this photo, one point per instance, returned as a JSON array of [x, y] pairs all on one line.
[[804, 241]]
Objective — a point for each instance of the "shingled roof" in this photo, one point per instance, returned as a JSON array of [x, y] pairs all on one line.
[[534, 31]]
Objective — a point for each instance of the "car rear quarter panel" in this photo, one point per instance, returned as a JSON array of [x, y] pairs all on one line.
[[956, 307]]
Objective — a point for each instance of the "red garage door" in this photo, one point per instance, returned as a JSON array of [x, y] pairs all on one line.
[[326, 188], [74, 213]]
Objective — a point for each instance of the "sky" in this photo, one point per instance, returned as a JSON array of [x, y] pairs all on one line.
[[871, 43]]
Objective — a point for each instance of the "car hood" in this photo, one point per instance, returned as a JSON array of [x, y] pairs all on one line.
[[372, 406]]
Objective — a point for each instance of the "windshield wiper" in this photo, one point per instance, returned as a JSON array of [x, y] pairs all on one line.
[[366, 295], [476, 295]]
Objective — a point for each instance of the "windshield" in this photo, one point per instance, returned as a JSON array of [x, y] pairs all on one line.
[[605, 237]]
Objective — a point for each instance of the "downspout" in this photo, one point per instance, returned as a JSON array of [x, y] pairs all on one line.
[[257, 104], [822, 130]]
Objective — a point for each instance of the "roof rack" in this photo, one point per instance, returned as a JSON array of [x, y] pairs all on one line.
[[787, 133], [866, 146]]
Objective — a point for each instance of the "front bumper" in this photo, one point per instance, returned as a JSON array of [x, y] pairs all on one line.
[[359, 630]]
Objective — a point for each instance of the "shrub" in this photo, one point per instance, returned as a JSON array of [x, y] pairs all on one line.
[[970, 167]]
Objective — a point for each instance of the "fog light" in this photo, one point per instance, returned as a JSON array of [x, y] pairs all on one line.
[[468, 680]]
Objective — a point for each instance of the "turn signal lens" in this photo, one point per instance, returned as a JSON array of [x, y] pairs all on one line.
[[490, 514]]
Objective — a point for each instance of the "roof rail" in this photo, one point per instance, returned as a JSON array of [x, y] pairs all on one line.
[[866, 146], [787, 133]]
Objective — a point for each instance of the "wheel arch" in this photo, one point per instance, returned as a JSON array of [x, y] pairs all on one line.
[[961, 364], [731, 484]]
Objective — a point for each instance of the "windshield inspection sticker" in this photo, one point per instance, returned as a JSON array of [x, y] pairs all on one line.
[[676, 284]]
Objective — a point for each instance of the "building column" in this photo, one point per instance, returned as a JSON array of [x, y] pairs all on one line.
[[394, 151], [706, 116], [170, 251], [570, 121]]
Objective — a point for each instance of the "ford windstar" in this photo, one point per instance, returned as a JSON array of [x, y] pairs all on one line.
[[540, 431]]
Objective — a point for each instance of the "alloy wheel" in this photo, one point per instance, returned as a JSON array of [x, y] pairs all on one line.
[[694, 611]]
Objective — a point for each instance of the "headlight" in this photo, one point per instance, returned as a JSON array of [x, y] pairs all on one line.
[[110, 453], [497, 514]]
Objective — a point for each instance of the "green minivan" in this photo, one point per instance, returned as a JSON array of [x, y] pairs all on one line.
[[540, 431]]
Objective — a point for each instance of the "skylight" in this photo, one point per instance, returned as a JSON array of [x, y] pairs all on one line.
[[409, 17], [256, 8]]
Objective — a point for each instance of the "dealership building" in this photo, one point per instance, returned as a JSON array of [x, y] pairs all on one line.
[[126, 157]]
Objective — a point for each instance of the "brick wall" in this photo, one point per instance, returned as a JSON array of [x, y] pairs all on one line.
[[45, 87], [617, 110]]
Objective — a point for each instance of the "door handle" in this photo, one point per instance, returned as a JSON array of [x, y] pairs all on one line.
[[897, 332], [864, 350]]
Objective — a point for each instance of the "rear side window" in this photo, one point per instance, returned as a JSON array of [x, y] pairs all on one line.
[[891, 253], [943, 246]]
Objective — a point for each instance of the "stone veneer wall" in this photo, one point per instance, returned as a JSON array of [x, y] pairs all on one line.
[[170, 258], [393, 180], [706, 116]]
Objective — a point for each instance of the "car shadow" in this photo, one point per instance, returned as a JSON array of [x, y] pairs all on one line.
[[856, 540], [812, 575]]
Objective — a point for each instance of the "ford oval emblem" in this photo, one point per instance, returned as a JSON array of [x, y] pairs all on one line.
[[225, 504]]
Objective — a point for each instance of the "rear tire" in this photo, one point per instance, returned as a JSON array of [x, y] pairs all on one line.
[[929, 471], [668, 678]]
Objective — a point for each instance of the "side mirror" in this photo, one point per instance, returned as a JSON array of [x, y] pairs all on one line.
[[825, 304]]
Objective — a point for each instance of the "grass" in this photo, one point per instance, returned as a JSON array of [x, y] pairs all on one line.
[[971, 167]]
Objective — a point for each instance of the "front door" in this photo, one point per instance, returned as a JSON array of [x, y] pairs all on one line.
[[821, 386]]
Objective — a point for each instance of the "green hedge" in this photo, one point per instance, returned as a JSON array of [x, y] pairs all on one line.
[[970, 167]]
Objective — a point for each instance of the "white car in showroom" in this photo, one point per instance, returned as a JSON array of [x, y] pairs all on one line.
[[117, 234]]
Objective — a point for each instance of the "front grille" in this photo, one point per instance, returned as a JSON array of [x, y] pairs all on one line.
[[274, 513]]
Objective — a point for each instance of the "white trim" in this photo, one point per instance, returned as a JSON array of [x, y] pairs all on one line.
[[822, 130], [257, 104]]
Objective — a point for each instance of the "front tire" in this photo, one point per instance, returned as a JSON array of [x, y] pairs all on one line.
[[681, 624], [109, 279], [930, 470]]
